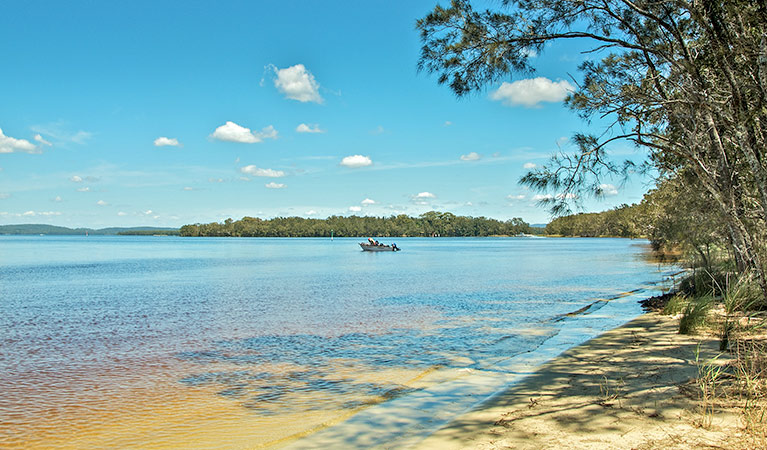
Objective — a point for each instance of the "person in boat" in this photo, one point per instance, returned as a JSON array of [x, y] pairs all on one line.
[[371, 241], [394, 246]]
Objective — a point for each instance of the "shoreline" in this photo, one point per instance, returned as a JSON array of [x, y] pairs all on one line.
[[406, 421], [630, 387]]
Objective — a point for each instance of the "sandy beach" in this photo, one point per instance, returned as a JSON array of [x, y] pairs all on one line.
[[630, 388]]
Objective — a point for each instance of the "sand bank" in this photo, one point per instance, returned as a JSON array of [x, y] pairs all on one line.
[[629, 388]]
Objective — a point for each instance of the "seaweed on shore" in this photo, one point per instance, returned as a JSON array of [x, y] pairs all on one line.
[[658, 302]]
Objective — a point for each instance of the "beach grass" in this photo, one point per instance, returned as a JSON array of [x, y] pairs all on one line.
[[675, 305], [736, 378], [695, 314]]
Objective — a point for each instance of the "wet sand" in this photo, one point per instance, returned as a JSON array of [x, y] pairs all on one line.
[[630, 388]]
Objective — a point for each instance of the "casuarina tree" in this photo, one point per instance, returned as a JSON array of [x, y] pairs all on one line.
[[684, 80]]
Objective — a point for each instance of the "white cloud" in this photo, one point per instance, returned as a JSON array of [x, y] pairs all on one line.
[[38, 213], [58, 199], [355, 208], [148, 212], [297, 83], [259, 172], [12, 145], [163, 141], [304, 128], [188, 188], [59, 132], [378, 130], [608, 189], [79, 179], [516, 197], [40, 139], [562, 141], [231, 132], [273, 185], [568, 196], [473, 156], [532, 91], [447, 123], [216, 180], [355, 161], [530, 165], [368, 201], [422, 198], [311, 212], [267, 132], [4, 195], [80, 137], [83, 189], [102, 203], [122, 213]]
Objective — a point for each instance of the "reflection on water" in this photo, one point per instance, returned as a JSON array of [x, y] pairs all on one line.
[[168, 342]]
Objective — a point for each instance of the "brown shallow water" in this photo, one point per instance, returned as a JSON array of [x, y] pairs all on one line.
[[132, 406]]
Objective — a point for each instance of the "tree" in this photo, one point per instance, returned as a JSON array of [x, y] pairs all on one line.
[[686, 80], [678, 214]]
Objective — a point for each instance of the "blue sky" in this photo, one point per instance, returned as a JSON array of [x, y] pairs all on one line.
[[166, 113]]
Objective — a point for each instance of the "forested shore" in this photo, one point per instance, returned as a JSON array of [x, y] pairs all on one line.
[[432, 223]]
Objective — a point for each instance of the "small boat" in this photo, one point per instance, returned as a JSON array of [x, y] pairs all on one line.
[[379, 248]]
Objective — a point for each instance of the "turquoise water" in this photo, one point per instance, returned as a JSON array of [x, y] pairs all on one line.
[[268, 323]]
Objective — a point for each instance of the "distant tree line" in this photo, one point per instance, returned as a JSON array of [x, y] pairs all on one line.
[[675, 215], [158, 232], [623, 221], [32, 228], [432, 223]]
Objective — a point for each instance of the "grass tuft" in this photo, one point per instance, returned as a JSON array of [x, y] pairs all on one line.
[[694, 314], [676, 305], [709, 374]]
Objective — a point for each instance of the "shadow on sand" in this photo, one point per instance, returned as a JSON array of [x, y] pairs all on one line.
[[628, 388]]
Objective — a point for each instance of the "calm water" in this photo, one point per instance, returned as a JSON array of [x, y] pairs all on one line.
[[173, 342]]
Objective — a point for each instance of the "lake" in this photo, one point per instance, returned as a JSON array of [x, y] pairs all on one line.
[[157, 342]]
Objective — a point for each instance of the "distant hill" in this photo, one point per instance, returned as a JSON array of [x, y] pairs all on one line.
[[30, 228]]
